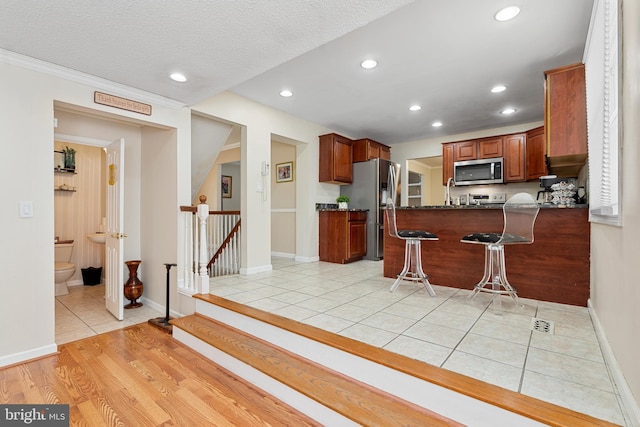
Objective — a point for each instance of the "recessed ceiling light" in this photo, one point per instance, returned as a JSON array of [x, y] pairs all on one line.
[[369, 63], [436, 124], [178, 77], [415, 108], [286, 93], [508, 111], [507, 13], [499, 88]]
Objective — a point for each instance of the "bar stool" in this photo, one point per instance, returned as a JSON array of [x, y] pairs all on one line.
[[412, 270], [520, 213]]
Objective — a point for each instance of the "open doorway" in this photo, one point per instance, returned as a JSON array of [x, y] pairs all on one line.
[[283, 198], [425, 181], [150, 174]]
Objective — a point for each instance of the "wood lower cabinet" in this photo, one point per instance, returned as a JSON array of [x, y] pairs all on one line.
[[367, 149], [336, 158], [343, 236]]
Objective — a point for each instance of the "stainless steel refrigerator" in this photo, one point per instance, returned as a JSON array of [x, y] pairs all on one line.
[[373, 182]]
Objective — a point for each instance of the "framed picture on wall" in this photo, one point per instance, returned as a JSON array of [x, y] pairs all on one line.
[[284, 172], [226, 186]]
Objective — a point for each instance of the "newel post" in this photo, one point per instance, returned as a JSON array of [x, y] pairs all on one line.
[[203, 276]]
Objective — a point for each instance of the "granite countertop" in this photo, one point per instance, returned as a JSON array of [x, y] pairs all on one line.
[[490, 206], [342, 210]]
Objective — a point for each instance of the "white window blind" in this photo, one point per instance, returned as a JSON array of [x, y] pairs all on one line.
[[602, 71]]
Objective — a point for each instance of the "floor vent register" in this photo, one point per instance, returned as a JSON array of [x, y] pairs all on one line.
[[544, 326]]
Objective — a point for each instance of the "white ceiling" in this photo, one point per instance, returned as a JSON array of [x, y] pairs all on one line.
[[443, 54]]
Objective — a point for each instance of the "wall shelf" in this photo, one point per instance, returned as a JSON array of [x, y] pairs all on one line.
[[63, 170], [70, 189]]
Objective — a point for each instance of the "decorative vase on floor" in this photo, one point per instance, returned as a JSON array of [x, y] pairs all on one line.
[[133, 286]]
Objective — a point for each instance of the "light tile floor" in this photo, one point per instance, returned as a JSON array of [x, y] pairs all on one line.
[[82, 314], [469, 337]]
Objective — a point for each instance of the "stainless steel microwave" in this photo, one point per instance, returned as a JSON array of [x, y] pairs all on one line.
[[481, 171]]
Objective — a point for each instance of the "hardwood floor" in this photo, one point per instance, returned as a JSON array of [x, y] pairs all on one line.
[[140, 376]]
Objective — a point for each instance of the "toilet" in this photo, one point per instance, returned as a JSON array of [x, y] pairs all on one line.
[[64, 270]]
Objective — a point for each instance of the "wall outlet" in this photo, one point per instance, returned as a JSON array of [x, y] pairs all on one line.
[[498, 198]]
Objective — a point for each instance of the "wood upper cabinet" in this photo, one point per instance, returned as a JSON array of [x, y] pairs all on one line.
[[536, 148], [489, 148], [465, 150], [565, 118], [447, 162], [523, 154], [367, 149], [343, 236], [336, 157], [514, 157]]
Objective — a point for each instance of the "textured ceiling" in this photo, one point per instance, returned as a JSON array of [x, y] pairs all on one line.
[[443, 54]]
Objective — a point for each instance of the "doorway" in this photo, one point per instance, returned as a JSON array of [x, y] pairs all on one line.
[[151, 182]]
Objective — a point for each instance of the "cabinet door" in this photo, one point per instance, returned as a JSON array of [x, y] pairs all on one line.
[[335, 160], [373, 150], [565, 111], [357, 239], [342, 169], [490, 148], [385, 152], [535, 151], [447, 162], [514, 158], [467, 150]]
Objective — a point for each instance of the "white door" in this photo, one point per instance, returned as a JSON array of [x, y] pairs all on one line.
[[114, 288]]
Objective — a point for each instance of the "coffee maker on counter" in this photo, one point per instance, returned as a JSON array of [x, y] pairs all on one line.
[[546, 182]]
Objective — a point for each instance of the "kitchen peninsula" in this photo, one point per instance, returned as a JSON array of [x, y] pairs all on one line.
[[554, 268]]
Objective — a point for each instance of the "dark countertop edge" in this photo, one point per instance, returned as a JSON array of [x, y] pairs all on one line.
[[342, 210], [487, 206]]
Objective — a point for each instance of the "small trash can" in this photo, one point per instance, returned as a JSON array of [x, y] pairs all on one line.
[[91, 276]]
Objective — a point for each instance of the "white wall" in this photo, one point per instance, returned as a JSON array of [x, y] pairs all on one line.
[[26, 120], [615, 270], [259, 123]]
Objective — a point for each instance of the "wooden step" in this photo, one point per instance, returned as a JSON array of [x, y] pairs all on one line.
[[517, 403], [357, 401]]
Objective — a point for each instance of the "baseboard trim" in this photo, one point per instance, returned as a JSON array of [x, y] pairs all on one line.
[[24, 356], [630, 407], [256, 270]]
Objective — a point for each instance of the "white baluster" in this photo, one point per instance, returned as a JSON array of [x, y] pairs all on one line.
[[203, 276]]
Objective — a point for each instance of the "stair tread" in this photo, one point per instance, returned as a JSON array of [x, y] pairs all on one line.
[[536, 409], [355, 400]]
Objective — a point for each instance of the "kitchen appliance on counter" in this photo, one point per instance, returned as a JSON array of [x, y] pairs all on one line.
[[546, 182], [373, 182], [481, 171]]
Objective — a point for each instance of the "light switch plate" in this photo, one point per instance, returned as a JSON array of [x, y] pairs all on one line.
[[26, 209]]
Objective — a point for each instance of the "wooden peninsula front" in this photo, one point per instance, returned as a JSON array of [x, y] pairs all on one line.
[[554, 268]]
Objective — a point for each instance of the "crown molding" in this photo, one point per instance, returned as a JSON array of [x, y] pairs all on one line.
[[114, 88]]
